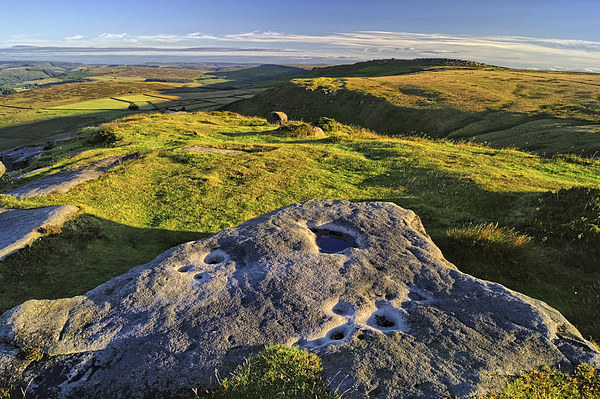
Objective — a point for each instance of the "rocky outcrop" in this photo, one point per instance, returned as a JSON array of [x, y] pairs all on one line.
[[65, 180], [360, 284], [20, 227], [20, 157]]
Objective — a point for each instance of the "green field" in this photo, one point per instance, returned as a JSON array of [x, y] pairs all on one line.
[[39, 115]]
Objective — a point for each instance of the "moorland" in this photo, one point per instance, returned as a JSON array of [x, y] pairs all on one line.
[[501, 165]]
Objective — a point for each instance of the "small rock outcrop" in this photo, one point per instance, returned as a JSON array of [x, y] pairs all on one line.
[[361, 284], [2, 169], [20, 227], [21, 157], [65, 180]]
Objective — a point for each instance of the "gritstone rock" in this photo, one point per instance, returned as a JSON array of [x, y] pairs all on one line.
[[21, 157], [361, 284], [65, 180], [20, 227]]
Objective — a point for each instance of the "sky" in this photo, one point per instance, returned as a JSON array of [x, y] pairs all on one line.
[[550, 34]]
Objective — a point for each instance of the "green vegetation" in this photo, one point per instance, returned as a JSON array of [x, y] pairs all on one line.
[[389, 67], [542, 112], [47, 113], [275, 372], [255, 75], [553, 384]]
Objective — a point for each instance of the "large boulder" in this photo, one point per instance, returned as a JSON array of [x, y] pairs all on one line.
[[361, 284]]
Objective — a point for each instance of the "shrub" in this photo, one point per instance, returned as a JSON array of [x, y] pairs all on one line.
[[102, 137], [299, 130], [327, 124]]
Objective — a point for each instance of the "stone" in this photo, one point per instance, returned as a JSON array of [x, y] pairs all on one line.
[[21, 157], [360, 284], [277, 118], [2, 169], [65, 180], [20, 227]]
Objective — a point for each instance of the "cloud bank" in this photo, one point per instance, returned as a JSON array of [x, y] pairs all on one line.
[[511, 51]]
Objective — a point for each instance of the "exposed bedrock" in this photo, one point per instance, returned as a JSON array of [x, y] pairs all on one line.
[[361, 284]]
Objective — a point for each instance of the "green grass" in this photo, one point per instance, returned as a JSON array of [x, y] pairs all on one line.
[[275, 372], [541, 112], [255, 75], [553, 384]]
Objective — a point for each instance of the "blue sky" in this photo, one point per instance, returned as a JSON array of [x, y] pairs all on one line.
[[528, 33]]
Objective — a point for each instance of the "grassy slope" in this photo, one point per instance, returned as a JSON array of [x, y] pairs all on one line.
[[36, 116], [179, 195], [542, 112]]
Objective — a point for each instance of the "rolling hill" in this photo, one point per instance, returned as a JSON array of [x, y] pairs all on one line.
[[541, 112]]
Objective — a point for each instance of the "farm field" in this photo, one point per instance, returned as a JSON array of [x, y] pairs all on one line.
[[38, 115]]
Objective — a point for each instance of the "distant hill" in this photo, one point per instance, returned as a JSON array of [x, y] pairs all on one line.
[[542, 112], [13, 72], [388, 67], [255, 75]]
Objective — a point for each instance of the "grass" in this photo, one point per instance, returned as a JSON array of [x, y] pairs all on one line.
[[275, 372], [528, 222], [541, 112], [36, 116], [553, 384]]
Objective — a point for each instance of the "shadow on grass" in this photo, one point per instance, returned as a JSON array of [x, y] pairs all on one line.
[[40, 132], [88, 252], [539, 132]]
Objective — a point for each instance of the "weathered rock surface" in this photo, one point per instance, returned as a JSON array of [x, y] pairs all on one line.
[[20, 227], [361, 284], [20, 157], [65, 180], [2, 169]]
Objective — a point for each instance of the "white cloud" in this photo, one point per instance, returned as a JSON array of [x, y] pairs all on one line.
[[76, 37], [513, 51], [112, 35]]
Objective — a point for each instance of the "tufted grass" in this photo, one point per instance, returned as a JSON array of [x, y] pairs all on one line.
[[275, 372], [547, 383]]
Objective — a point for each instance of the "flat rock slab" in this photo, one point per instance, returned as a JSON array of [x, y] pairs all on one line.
[[20, 227], [65, 180], [213, 150], [360, 284]]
